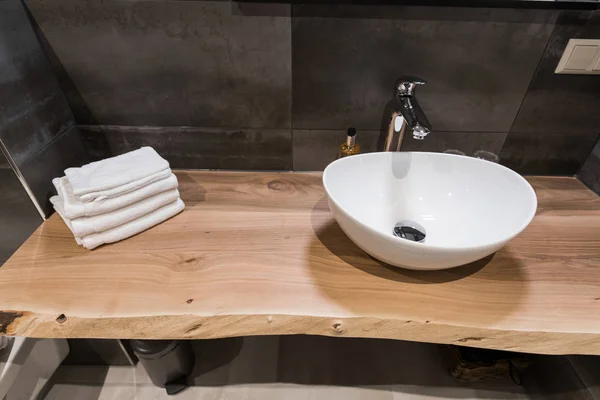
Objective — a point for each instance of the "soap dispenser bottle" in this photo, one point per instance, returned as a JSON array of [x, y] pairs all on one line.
[[349, 147]]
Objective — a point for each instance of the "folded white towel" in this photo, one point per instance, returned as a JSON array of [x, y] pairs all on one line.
[[99, 223], [129, 187], [129, 229], [75, 208], [115, 171]]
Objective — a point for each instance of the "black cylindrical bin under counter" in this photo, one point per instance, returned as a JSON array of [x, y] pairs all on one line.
[[168, 363]]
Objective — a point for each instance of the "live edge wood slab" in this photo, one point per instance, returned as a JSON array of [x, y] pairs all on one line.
[[259, 254]]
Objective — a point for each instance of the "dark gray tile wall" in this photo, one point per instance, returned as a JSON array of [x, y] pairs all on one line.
[[546, 153], [18, 216], [314, 149], [189, 63], [36, 125], [558, 122], [197, 148], [557, 103], [590, 171], [221, 84], [346, 60], [32, 107], [468, 143], [65, 151]]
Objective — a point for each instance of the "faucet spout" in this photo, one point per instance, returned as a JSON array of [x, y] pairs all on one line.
[[413, 115], [407, 112]]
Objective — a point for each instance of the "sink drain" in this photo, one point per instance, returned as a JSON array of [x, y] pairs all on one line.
[[410, 230]]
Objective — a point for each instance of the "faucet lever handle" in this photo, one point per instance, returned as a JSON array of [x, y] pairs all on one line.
[[406, 85]]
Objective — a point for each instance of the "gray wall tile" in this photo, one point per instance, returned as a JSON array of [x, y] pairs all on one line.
[[478, 64], [563, 103], [315, 149], [590, 171], [228, 66], [18, 216], [65, 151], [464, 142], [197, 148], [558, 121], [33, 110], [201, 63], [36, 125], [548, 154]]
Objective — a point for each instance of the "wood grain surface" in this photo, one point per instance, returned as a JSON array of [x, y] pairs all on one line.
[[259, 254]]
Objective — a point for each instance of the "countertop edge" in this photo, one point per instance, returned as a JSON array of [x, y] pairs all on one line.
[[189, 326]]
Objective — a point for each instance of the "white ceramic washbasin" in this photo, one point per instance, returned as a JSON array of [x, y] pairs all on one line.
[[469, 208]]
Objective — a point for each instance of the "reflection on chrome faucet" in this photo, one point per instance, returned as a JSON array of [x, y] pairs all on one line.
[[406, 112]]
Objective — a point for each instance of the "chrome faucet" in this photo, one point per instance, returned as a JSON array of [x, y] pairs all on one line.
[[406, 111]]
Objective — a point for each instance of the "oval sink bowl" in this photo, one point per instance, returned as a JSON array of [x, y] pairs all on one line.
[[427, 211]]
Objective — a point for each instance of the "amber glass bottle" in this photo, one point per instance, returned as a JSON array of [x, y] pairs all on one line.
[[349, 147]]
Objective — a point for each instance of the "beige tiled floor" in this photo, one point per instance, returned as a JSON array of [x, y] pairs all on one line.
[[294, 368]]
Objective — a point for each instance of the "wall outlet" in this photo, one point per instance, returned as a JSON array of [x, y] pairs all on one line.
[[582, 56]]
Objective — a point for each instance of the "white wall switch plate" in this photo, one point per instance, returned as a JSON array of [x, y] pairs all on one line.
[[582, 56]]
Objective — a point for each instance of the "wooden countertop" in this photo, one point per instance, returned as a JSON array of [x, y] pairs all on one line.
[[259, 254]]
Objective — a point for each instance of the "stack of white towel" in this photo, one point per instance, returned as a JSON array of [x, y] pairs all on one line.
[[113, 199]]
